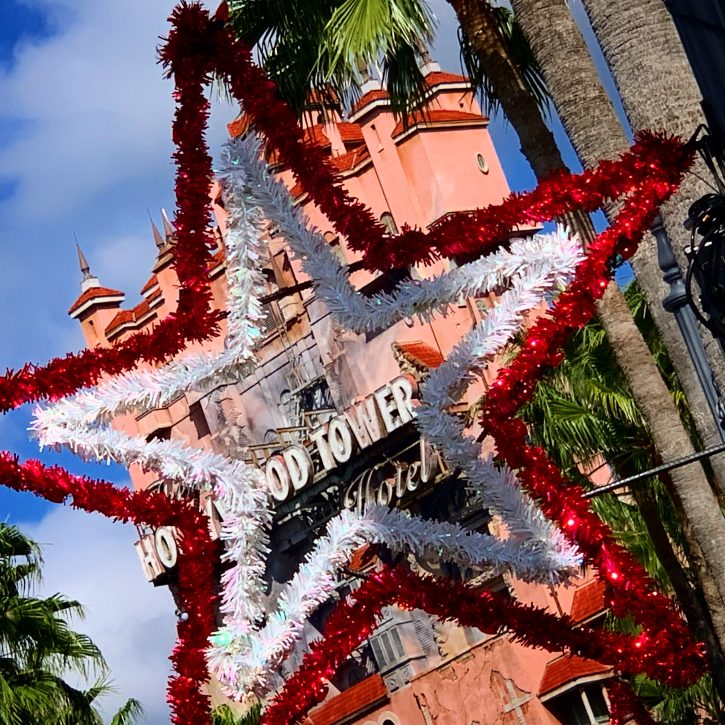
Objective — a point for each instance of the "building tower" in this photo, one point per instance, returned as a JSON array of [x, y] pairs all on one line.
[[415, 669]]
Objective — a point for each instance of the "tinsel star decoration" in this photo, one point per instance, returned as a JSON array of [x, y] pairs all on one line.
[[550, 522]]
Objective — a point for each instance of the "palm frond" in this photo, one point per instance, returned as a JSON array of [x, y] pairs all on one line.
[[129, 713]]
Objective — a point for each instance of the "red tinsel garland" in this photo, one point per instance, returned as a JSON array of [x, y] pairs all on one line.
[[198, 555], [352, 622], [198, 46], [625, 705]]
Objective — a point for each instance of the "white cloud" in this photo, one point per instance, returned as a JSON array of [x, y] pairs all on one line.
[[91, 559], [89, 150]]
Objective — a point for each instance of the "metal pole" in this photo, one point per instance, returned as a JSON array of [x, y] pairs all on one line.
[[607, 487], [676, 302]]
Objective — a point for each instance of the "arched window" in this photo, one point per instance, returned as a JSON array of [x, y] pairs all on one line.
[[386, 219], [482, 164]]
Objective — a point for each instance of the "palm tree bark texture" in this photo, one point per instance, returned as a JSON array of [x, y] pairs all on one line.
[[589, 118], [658, 91], [588, 115]]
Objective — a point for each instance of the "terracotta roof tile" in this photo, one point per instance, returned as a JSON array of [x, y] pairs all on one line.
[[153, 280], [344, 162], [566, 669], [357, 699], [350, 133], [431, 117], [216, 259], [362, 558], [316, 134], [421, 353], [239, 126], [432, 79], [588, 601], [377, 94], [126, 316], [92, 293], [437, 77], [316, 98], [348, 161]]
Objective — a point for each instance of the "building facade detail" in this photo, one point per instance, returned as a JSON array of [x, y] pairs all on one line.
[[327, 417]]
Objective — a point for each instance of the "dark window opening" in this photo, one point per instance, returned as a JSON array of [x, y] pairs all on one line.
[[198, 418], [160, 434], [583, 705], [386, 219]]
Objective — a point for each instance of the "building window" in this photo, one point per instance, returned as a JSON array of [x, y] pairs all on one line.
[[481, 162], [585, 705], [198, 418], [160, 434], [386, 219], [387, 648]]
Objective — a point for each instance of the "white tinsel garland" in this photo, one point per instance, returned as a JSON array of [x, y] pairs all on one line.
[[246, 663], [536, 550], [533, 268], [80, 422], [243, 653]]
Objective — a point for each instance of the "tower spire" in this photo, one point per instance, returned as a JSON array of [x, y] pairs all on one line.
[[88, 280], [169, 230], [158, 238], [83, 263]]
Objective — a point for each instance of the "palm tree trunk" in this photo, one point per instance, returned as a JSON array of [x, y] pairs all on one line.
[[691, 488], [658, 91], [591, 122], [632, 353]]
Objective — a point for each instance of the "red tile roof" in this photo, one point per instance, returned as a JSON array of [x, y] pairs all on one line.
[[133, 315], [239, 126], [434, 116], [362, 558], [342, 163], [317, 98], [588, 601], [357, 699], [421, 353], [437, 77], [316, 134], [216, 259], [377, 94], [566, 669], [92, 293], [350, 133], [348, 161], [153, 280]]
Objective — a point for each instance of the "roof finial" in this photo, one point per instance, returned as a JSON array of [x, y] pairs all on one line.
[[428, 65], [88, 280], [158, 239], [168, 226]]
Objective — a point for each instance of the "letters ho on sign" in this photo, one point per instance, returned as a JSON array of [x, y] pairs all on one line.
[[291, 470]]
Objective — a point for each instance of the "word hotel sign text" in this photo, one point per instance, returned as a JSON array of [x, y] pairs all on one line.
[[358, 427]]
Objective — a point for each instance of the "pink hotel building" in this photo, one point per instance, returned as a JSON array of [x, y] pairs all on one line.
[[415, 670]]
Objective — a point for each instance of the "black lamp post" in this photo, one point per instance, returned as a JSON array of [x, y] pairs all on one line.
[[677, 302]]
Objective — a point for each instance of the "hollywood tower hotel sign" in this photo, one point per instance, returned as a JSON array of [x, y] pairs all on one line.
[[367, 422], [328, 415]]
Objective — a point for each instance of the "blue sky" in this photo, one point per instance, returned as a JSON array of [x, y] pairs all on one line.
[[85, 149]]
